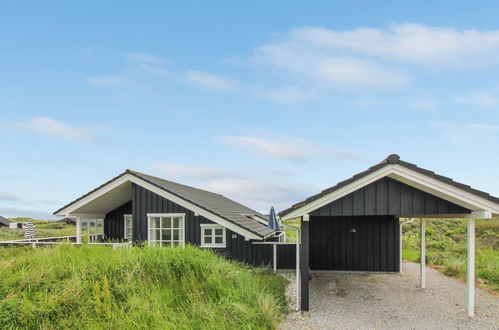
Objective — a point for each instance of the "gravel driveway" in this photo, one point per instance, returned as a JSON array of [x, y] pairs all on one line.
[[340, 300]]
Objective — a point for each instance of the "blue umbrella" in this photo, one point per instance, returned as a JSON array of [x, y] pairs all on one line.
[[273, 223]]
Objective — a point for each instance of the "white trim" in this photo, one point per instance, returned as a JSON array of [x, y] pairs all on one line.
[[422, 253], [470, 273], [181, 239], [78, 230], [213, 244], [337, 194], [410, 177], [125, 218], [192, 207]]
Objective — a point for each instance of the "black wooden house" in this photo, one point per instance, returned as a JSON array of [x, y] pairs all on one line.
[[142, 208]]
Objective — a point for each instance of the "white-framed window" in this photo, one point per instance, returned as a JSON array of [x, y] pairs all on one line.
[[166, 229], [92, 228], [213, 236], [128, 226]]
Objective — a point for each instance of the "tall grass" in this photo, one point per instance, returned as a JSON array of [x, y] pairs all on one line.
[[162, 288], [43, 229], [446, 248]]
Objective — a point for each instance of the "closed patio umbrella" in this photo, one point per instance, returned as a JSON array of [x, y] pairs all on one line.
[[273, 223]]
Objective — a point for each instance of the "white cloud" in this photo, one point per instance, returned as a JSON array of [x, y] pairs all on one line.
[[52, 127], [113, 81], [258, 193], [188, 171], [20, 212], [211, 81], [480, 99], [285, 148], [8, 196], [415, 43], [328, 69], [467, 133], [288, 94], [323, 59]]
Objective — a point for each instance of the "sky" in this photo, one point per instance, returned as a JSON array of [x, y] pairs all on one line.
[[266, 102]]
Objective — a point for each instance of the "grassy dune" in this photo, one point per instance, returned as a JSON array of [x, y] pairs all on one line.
[[161, 288], [446, 248], [43, 229]]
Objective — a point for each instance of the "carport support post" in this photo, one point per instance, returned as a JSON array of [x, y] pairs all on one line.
[[470, 279], [78, 230], [305, 224], [423, 253]]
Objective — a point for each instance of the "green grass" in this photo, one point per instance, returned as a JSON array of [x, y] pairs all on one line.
[[290, 233], [43, 229], [446, 248], [96, 287]]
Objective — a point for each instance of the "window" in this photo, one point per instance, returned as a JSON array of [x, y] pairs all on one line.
[[212, 236], [92, 228], [166, 229], [128, 225]]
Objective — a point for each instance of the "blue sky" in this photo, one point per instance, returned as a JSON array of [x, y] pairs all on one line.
[[264, 102]]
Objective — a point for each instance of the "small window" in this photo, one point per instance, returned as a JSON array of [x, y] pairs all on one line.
[[128, 234], [212, 236]]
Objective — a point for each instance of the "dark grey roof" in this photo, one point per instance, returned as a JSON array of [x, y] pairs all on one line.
[[212, 202], [390, 160], [68, 220], [4, 221]]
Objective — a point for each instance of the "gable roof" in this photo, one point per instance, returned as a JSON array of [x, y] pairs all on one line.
[[4, 221], [391, 164], [214, 204]]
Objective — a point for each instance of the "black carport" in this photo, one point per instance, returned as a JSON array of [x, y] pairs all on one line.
[[355, 225]]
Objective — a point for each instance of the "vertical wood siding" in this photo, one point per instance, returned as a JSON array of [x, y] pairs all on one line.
[[373, 247], [388, 196], [237, 248], [114, 221]]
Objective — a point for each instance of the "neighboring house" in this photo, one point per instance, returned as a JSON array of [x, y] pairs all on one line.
[[140, 207], [68, 220], [354, 225], [4, 222], [18, 225]]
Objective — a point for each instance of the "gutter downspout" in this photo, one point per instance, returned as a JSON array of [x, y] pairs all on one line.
[[400, 243], [298, 236]]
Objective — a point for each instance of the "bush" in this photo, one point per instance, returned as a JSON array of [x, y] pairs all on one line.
[[98, 287]]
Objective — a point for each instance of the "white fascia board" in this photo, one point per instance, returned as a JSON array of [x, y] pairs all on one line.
[[194, 208], [407, 176], [443, 190], [89, 216], [339, 193], [110, 186]]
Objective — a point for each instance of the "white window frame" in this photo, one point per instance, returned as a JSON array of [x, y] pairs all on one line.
[[96, 224], [126, 235], [213, 244], [181, 236]]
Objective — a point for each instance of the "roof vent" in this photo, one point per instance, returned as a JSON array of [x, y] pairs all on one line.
[[393, 159]]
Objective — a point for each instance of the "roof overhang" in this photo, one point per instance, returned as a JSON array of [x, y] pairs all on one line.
[[479, 205], [118, 191]]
